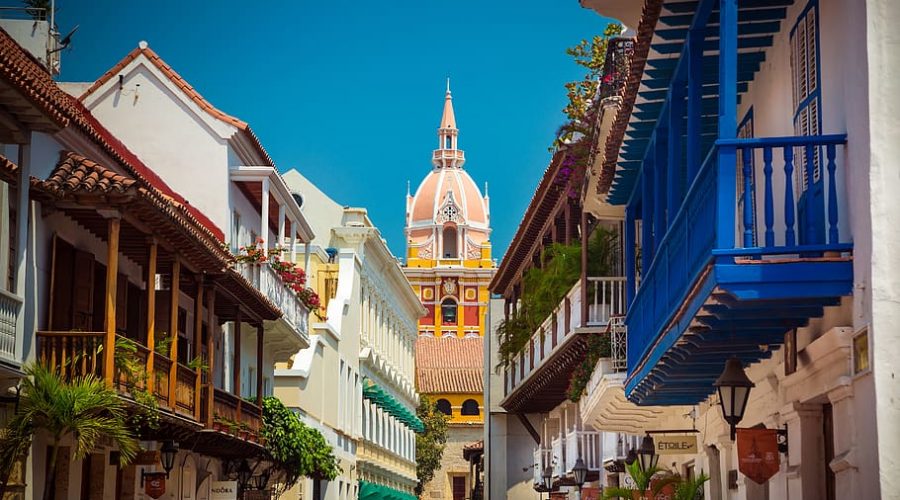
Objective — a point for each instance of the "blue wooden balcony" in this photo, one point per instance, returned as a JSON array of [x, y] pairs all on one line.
[[710, 292], [741, 239]]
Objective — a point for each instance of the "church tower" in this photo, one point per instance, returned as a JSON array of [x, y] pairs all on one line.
[[449, 264]]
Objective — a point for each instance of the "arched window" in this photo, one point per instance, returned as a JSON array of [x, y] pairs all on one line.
[[450, 242], [448, 311], [443, 406], [470, 407], [448, 142]]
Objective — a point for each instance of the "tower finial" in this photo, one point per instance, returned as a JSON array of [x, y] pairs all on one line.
[[448, 84]]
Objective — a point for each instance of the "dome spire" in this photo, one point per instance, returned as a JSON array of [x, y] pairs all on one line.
[[448, 153], [448, 120]]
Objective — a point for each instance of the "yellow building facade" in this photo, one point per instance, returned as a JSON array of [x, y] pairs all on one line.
[[449, 265]]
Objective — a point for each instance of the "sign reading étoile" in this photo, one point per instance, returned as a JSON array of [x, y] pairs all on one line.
[[758, 456], [675, 445]]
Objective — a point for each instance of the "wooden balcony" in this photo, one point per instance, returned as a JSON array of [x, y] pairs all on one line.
[[79, 354], [538, 379]]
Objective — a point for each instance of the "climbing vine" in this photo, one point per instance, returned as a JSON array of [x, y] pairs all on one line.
[[297, 449]]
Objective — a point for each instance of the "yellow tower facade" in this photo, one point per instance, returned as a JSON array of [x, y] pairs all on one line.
[[449, 265]]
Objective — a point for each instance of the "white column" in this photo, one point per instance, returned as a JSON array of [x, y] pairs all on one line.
[[264, 214], [805, 453], [281, 229], [294, 245]]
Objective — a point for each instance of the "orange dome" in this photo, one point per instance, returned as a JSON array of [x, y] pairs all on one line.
[[448, 195]]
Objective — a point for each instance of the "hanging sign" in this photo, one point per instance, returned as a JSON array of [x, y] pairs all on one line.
[[758, 456], [675, 445], [145, 457], [223, 490], [155, 484]]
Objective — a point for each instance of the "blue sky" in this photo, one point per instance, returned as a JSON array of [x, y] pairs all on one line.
[[350, 93]]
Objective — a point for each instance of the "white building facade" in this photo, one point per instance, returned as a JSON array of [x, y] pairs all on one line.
[[362, 352]]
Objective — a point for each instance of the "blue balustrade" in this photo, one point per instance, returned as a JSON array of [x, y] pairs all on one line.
[[693, 240]]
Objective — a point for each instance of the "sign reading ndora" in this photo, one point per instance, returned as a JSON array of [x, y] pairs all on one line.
[[675, 445]]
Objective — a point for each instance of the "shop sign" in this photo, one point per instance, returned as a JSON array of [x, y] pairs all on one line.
[[146, 457], [223, 490], [675, 445], [758, 456], [155, 484]]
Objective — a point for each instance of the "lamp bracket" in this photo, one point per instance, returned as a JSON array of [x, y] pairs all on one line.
[[782, 438]]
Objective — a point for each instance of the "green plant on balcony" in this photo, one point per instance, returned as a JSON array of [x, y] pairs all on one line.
[[163, 344], [132, 370], [297, 450], [198, 363], [598, 347], [544, 287], [656, 482], [83, 409], [254, 253]]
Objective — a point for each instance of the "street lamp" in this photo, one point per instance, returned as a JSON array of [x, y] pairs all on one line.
[[734, 391], [262, 480], [167, 455], [547, 479], [647, 457], [580, 473]]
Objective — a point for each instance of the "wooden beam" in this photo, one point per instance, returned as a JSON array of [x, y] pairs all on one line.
[[584, 264], [112, 279], [530, 428], [198, 330], [151, 313], [236, 356], [210, 353], [173, 328], [259, 364]]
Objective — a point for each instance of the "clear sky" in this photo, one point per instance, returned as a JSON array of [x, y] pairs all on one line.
[[350, 92]]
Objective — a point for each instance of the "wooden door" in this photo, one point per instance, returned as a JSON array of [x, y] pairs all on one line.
[[82, 291], [459, 488]]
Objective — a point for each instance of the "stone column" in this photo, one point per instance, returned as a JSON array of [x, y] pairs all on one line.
[[805, 476], [844, 464]]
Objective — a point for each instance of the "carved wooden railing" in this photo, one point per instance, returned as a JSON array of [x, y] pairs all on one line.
[[185, 388], [72, 354]]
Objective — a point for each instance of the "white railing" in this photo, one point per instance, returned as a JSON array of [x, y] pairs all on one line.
[[270, 284], [542, 458], [556, 447], [10, 307], [606, 298], [585, 445]]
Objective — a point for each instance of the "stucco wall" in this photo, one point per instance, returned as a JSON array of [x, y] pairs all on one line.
[[452, 462]]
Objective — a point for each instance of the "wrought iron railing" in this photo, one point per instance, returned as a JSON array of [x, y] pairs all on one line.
[[616, 66]]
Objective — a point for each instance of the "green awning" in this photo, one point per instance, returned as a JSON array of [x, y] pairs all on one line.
[[375, 491], [385, 401]]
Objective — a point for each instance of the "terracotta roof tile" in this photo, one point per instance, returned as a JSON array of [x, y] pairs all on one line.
[[453, 365], [646, 27], [26, 74], [185, 87], [77, 174], [9, 171]]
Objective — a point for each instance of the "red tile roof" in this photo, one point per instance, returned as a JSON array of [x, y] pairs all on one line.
[[77, 174], [646, 27], [185, 87], [450, 366], [25, 73], [8, 169]]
